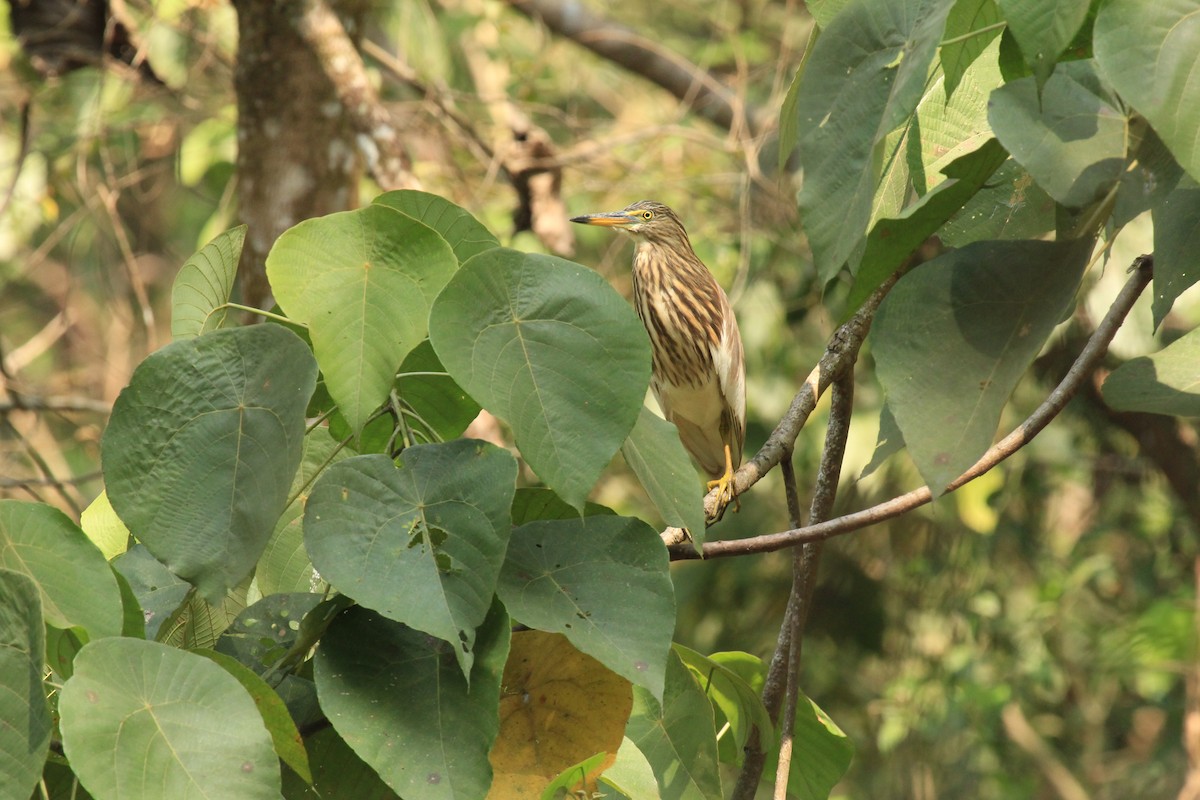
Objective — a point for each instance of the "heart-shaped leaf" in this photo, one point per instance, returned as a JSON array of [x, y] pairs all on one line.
[[76, 586], [560, 576], [551, 348], [202, 446], [204, 284], [144, 720], [400, 701], [421, 543], [362, 281]]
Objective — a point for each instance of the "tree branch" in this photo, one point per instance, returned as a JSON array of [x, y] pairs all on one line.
[[1089, 358], [704, 93], [379, 133]]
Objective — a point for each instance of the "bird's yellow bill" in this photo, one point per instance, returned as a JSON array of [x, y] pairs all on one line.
[[611, 219]]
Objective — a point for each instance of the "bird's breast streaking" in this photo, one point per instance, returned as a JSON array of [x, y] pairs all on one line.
[[698, 373]]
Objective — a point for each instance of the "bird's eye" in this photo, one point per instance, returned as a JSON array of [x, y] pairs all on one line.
[[647, 215]]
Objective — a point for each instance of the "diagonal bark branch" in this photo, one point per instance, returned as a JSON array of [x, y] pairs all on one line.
[[704, 93]]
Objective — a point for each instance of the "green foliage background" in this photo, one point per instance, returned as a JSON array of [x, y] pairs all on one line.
[[1050, 601]]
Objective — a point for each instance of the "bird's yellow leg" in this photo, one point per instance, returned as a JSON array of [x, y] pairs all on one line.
[[724, 484]]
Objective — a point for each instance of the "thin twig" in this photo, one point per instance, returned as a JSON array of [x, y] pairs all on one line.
[[25, 402], [21, 483], [806, 561], [776, 682], [1089, 358]]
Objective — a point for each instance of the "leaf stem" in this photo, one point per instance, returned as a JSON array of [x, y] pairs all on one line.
[[995, 26]]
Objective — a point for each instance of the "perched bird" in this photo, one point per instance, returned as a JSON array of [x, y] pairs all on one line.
[[698, 374]]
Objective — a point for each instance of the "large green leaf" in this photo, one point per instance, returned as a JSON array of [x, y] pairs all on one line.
[[956, 334], [1176, 246], [144, 720], [603, 582], [656, 455], [1166, 382], [77, 588], [1147, 51], [1072, 137], [551, 348], [465, 234], [677, 736], [25, 732], [970, 27], [865, 76], [422, 543], [892, 241], [400, 701], [202, 446], [363, 282], [1044, 29], [204, 285], [942, 130]]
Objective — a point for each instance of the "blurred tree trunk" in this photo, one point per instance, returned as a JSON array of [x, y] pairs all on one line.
[[296, 159]]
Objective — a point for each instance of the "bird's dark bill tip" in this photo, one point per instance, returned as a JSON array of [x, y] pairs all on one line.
[[609, 220]]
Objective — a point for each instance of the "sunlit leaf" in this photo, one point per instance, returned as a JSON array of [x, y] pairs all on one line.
[[821, 753], [76, 586], [552, 349], [970, 27], [144, 720], [202, 446], [1010, 206], [865, 76], [422, 542], [104, 527], [558, 706], [631, 774], [284, 565], [601, 581], [892, 241], [399, 699], [363, 282], [204, 284], [733, 695]]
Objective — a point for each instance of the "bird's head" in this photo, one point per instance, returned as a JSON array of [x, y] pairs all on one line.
[[645, 219]]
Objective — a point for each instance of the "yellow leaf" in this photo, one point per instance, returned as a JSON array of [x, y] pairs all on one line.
[[557, 708]]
